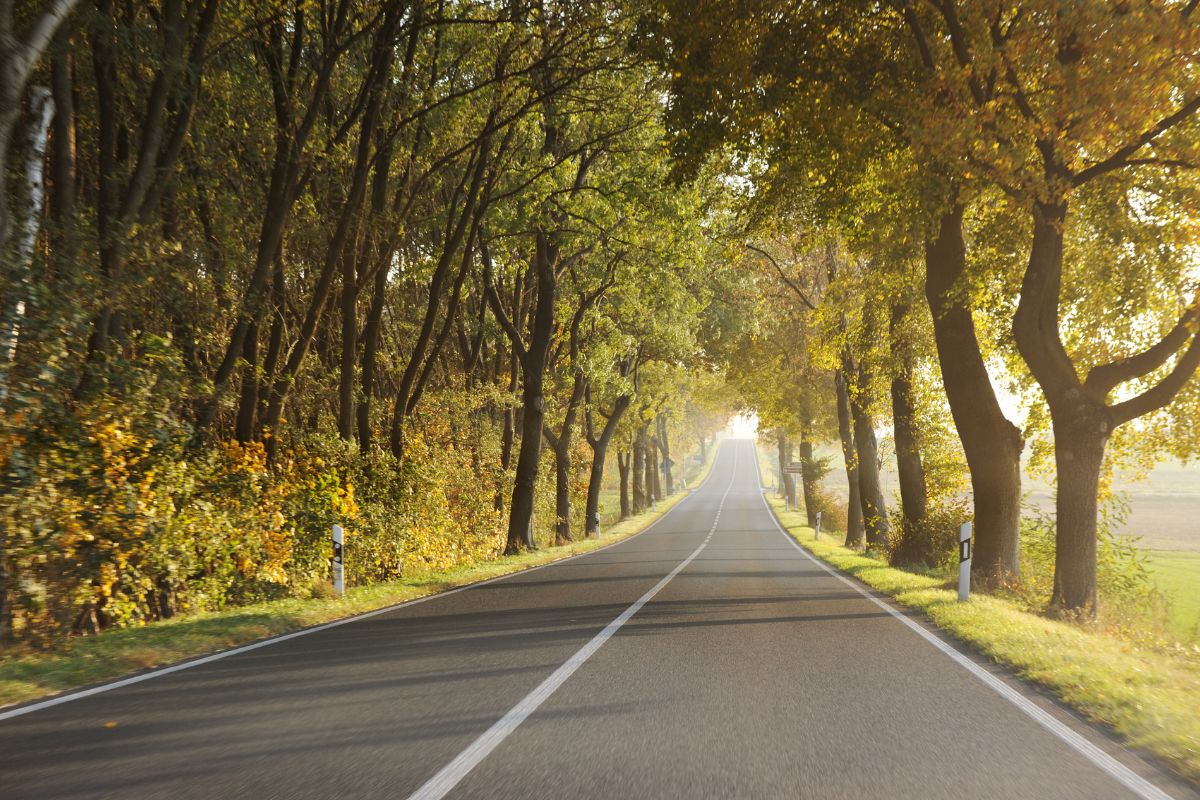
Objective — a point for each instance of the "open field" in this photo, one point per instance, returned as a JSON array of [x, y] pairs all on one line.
[[1177, 575]]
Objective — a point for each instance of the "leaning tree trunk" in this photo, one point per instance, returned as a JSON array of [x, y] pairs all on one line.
[[855, 535], [991, 443]]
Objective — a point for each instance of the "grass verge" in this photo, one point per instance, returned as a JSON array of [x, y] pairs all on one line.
[[114, 654], [1149, 699]]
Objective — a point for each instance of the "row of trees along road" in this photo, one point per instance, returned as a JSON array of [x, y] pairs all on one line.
[[418, 266], [1029, 167], [272, 265]]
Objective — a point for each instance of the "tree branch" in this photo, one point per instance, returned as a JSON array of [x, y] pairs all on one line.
[[1164, 391], [1120, 157], [1104, 378]]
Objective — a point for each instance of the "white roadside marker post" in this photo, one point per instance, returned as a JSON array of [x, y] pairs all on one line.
[[964, 562], [596, 522], [339, 573], [817, 530]]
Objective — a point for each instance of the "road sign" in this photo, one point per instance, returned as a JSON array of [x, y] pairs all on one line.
[[794, 467], [339, 574], [964, 562]]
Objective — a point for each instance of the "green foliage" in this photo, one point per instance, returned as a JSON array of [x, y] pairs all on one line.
[[1128, 598]]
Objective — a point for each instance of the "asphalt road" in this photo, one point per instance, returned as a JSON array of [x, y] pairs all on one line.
[[707, 657]]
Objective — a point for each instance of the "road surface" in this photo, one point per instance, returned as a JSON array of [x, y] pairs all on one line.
[[706, 657]]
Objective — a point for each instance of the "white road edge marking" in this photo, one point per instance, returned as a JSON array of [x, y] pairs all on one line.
[[450, 775], [1115, 769], [196, 662]]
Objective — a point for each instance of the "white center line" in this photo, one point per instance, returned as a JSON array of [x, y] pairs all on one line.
[[450, 775]]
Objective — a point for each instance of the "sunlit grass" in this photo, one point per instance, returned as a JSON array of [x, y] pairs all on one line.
[[1176, 574], [1149, 698], [87, 660]]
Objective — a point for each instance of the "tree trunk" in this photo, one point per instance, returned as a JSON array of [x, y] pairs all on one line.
[[18, 59], [41, 107], [653, 487], [808, 475], [623, 468], [1078, 457], [870, 487], [787, 481], [6, 620], [349, 349], [369, 351], [533, 408], [781, 460], [596, 476], [1081, 418], [915, 545], [991, 443], [667, 476], [248, 404], [639, 471], [855, 534], [562, 492], [561, 445]]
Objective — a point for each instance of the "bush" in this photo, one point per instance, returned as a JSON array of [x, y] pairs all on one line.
[[1126, 594], [933, 544], [833, 510]]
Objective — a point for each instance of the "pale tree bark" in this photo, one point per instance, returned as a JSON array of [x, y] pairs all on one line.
[[41, 107], [18, 57]]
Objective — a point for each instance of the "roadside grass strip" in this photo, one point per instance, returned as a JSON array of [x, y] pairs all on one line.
[[1151, 700], [85, 661]]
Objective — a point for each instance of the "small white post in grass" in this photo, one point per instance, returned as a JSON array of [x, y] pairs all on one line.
[[596, 522], [817, 530], [339, 572], [964, 562]]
